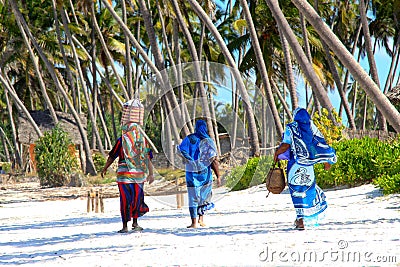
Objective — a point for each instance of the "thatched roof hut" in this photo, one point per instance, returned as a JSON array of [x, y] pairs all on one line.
[[394, 95], [27, 135]]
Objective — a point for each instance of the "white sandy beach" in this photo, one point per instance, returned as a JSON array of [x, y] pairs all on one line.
[[361, 227]]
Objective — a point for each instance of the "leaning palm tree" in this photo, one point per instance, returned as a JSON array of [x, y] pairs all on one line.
[[254, 140], [261, 67], [301, 57], [371, 60], [345, 57]]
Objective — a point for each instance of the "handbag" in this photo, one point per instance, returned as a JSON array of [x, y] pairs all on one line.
[[276, 181]]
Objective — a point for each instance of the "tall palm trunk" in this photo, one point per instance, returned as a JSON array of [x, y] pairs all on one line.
[[177, 50], [308, 70], [368, 85], [89, 105], [336, 78], [307, 50], [39, 76], [289, 71], [160, 78], [254, 140], [8, 88], [371, 60], [147, 19], [5, 142], [103, 77], [261, 67], [108, 55], [347, 75], [17, 153], [128, 60], [393, 64], [195, 58]]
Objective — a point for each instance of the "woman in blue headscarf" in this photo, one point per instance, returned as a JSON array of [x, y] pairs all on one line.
[[307, 147], [200, 157]]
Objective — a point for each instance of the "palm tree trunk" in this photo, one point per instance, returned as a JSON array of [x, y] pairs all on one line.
[[261, 67], [195, 58], [289, 71], [304, 62], [339, 85], [212, 108], [8, 88], [128, 60], [177, 50], [160, 78], [5, 142], [254, 140], [13, 130], [371, 60], [105, 79], [282, 100], [369, 86], [82, 80], [108, 55], [392, 69], [308, 54], [40, 79], [347, 75]]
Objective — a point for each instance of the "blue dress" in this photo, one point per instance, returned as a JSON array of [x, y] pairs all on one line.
[[307, 147], [198, 151]]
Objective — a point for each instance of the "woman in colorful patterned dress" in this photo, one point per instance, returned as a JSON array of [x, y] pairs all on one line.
[[133, 164]]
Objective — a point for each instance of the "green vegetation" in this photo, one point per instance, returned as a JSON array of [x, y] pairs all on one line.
[[99, 161], [329, 130], [55, 158], [252, 173], [360, 161]]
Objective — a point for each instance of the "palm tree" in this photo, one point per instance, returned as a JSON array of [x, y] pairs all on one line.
[[254, 140], [301, 57], [90, 168], [262, 68], [371, 60], [195, 58], [368, 85]]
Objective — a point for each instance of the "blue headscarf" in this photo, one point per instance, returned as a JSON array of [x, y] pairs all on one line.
[[201, 130], [198, 148], [309, 145], [303, 120]]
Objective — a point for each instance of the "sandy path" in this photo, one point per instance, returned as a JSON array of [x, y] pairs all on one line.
[[361, 227]]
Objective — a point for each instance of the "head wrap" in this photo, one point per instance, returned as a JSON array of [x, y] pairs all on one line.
[[201, 129], [303, 120], [308, 144]]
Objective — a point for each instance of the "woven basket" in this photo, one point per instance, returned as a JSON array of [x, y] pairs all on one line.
[[132, 111], [276, 181]]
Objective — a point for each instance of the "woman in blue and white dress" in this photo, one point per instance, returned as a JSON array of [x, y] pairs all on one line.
[[307, 147]]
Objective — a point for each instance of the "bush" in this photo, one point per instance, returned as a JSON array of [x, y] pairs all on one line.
[[360, 161], [55, 158], [99, 161], [331, 132], [388, 184], [252, 173]]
